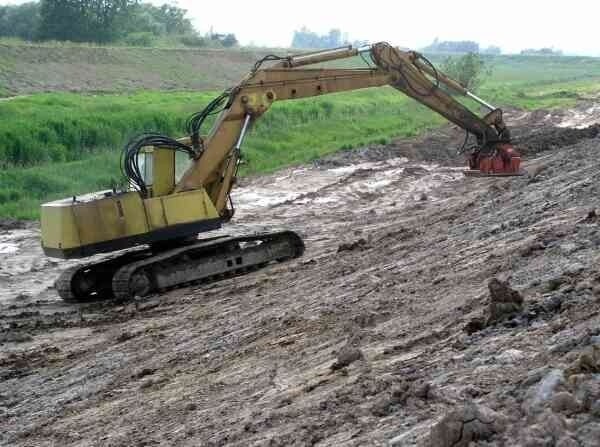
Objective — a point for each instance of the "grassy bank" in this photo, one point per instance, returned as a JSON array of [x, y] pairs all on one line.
[[60, 127], [56, 145]]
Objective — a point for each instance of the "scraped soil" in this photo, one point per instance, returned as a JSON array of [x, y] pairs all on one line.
[[28, 69], [381, 334]]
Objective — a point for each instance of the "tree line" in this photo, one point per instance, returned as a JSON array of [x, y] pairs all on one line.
[[103, 21], [460, 47]]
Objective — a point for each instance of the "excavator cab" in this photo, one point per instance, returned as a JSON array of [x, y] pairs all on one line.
[[161, 169]]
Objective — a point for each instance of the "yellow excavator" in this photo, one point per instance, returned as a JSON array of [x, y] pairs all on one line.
[[180, 188]]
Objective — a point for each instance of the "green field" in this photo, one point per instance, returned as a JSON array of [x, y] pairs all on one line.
[[59, 144]]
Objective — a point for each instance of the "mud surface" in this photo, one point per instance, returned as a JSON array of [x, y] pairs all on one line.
[[378, 335]]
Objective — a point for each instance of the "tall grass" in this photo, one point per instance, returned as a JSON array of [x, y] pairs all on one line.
[[23, 189], [62, 127]]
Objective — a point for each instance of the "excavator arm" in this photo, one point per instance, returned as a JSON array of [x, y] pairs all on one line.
[[406, 71]]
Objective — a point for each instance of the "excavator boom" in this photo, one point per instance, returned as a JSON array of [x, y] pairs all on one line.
[[180, 188]]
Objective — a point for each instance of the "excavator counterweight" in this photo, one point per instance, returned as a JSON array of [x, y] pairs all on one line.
[[180, 188]]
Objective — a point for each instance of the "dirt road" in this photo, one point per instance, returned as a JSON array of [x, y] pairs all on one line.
[[380, 330]]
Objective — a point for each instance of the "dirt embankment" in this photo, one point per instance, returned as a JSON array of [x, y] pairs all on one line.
[[26, 69], [429, 309]]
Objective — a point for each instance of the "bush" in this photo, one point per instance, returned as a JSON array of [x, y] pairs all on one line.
[[143, 39], [469, 70], [9, 195], [193, 40]]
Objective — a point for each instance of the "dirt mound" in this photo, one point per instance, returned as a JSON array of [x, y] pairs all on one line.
[[437, 146], [553, 138], [504, 301], [532, 133]]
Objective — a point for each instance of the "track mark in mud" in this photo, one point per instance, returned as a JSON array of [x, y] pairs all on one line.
[[250, 358]]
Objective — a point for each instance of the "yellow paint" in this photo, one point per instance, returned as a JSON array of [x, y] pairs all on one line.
[[164, 172], [98, 218]]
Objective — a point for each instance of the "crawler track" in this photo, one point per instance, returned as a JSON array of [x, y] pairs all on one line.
[[143, 272]]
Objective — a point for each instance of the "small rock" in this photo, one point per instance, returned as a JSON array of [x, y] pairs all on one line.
[[569, 248], [22, 297], [532, 248], [553, 303], [421, 390], [144, 372], [472, 391], [191, 406], [566, 288], [554, 283], [588, 434], [510, 356], [535, 376], [549, 428], [587, 363], [423, 197], [466, 424], [146, 384], [595, 409], [537, 398], [592, 216], [438, 280], [583, 285], [360, 244], [587, 389], [566, 341], [504, 301], [475, 325], [574, 269], [565, 402], [346, 356], [365, 320], [124, 336], [567, 441]]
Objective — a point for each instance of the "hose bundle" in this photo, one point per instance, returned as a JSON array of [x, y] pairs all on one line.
[[130, 161], [129, 158]]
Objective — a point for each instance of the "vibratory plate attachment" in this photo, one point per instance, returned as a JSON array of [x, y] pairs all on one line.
[[502, 161]]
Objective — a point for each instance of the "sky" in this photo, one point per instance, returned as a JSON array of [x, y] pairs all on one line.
[[571, 26]]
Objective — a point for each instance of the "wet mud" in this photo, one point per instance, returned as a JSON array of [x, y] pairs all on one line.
[[379, 335]]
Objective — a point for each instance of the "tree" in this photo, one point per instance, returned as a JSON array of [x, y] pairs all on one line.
[[334, 38], [84, 20], [449, 46], [20, 21], [100, 21], [493, 50], [469, 70], [227, 40], [541, 52], [174, 19]]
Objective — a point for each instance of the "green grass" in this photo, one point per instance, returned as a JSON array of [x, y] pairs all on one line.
[[61, 127], [57, 145], [22, 190]]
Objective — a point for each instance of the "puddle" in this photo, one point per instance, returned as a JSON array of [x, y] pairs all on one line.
[[580, 119]]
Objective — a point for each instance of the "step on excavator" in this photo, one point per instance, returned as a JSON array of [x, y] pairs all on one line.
[[179, 188]]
